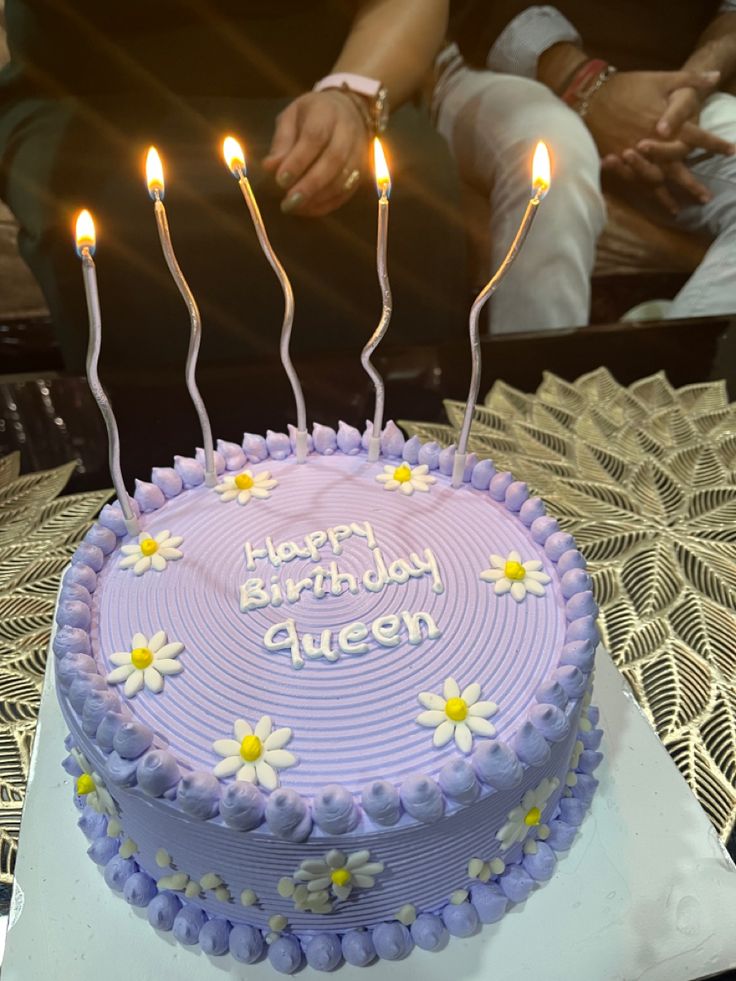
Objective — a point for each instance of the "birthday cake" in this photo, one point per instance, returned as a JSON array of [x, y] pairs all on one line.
[[331, 710]]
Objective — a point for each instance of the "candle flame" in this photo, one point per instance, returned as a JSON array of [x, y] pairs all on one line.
[[85, 232], [154, 173], [380, 167], [232, 151], [540, 170]]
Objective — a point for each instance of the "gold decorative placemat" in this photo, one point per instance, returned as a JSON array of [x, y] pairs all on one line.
[[38, 533], [644, 477]]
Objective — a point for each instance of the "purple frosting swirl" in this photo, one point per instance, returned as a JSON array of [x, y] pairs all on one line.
[[584, 628], [578, 652], [323, 952], [93, 825], [422, 798], [219, 460], [158, 772], [489, 901], [82, 574], [162, 910], [571, 559], [550, 721], [288, 815], [70, 640], [348, 439], [111, 516], [149, 496], [335, 811], [75, 592], [365, 439], [246, 943], [516, 883], [457, 779], [392, 941], [483, 472], [429, 455], [575, 581], [132, 739], [232, 454], [103, 538], [214, 937], [551, 693], [516, 494], [541, 864], [572, 680], [292, 431], [285, 954], [542, 528], [461, 919], [187, 924], [358, 948], [447, 459], [103, 849], [531, 510], [109, 725], [254, 447], [73, 613], [69, 667], [139, 889], [497, 765], [557, 544], [96, 706], [199, 795], [190, 471], [572, 810], [429, 932], [242, 806], [167, 480], [410, 453], [325, 439], [530, 745], [581, 605], [392, 440], [80, 689], [381, 802], [278, 444], [117, 871], [119, 771], [561, 835], [90, 555], [499, 485]]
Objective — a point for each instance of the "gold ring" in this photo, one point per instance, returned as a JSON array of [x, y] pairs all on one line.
[[351, 180]]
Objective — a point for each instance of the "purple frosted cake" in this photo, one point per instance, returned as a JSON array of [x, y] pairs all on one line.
[[328, 711]]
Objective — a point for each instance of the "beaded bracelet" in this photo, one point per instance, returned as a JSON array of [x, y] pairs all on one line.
[[583, 104]]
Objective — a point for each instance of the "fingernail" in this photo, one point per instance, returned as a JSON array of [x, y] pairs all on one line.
[[284, 179], [712, 76], [663, 128], [291, 203]]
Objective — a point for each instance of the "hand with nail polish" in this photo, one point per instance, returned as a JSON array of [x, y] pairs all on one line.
[[319, 143]]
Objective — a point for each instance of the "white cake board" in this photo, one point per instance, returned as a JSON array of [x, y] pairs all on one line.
[[647, 890]]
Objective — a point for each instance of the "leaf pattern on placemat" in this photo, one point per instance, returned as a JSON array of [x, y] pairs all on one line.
[[644, 477], [39, 531]]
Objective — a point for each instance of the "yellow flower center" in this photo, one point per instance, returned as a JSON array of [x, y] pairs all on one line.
[[250, 748], [533, 817], [402, 473], [514, 570], [456, 709], [340, 877], [244, 481], [141, 658], [149, 546], [85, 784]]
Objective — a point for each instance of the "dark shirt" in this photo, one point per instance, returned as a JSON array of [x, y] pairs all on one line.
[[657, 35], [165, 49]]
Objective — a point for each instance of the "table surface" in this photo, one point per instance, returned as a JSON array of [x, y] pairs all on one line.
[[646, 891]]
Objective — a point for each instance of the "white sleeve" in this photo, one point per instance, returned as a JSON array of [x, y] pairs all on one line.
[[727, 7], [519, 46]]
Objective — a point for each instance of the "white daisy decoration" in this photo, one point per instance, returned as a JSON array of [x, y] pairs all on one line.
[[90, 786], [405, 478], [245, 485], [338, 874], [145, 664], [255, 755], [458, 714], [511, 575], [151, 553], [527, 817]]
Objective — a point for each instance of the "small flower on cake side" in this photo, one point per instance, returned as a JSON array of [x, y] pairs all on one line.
[[151, 553], [405, 478], [319, 881], [511, 575], [145, 664], [255, 755], [458, 714], [527, 817], [90, 786], [246, 485]]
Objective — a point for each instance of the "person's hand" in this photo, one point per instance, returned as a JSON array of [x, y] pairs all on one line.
[[318, 152], [635, 169], [629, 107]]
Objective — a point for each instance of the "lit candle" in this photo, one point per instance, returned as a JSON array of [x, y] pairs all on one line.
[[235, 160], [540, 186], [86, 243], [155, 181], [383, 186]]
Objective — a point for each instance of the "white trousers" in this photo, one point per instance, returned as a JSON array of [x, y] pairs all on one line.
[[492, 123]]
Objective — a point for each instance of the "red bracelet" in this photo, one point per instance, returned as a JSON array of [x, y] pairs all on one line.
[[585, 74]]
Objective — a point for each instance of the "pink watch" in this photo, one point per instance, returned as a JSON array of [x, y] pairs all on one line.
[[373, 96]]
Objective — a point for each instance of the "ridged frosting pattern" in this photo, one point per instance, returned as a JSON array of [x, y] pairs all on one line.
[[353, 720]]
